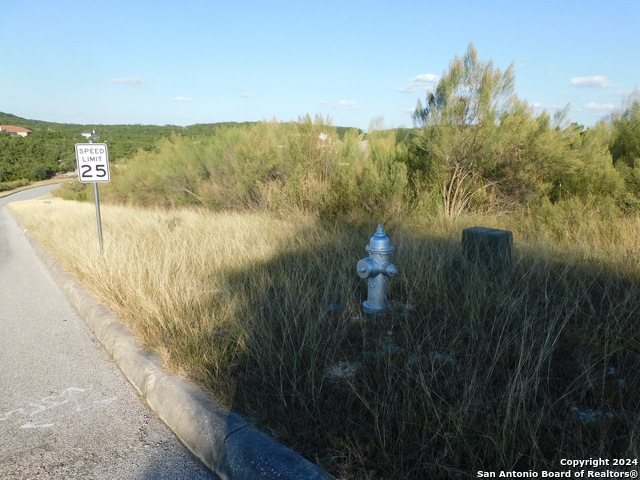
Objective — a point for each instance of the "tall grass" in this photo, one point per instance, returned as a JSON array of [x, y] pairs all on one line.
[[473, 369]]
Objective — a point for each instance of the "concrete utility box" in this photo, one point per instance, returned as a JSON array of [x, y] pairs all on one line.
[[488, 246]]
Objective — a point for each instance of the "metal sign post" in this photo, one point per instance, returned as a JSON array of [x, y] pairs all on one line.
[[98, 218], [93, 167]]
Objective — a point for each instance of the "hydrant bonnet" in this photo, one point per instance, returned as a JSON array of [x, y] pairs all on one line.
[[379, 243]]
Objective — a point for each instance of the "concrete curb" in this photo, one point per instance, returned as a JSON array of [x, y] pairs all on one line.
[[224, 441]]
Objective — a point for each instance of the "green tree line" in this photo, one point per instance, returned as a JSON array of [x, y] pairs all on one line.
[[476, 147], [50, 149]]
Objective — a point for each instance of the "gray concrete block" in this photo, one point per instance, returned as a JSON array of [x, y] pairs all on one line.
[[487, 246]]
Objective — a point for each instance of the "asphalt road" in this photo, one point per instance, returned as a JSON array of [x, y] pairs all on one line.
[[66, 410]]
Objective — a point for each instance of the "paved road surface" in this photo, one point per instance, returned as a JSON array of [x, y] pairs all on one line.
[[66, 410]]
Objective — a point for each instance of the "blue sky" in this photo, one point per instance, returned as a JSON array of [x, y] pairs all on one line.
[[205, 61]]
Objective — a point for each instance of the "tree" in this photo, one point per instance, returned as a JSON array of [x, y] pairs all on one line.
[[456, 124], [376, 124], [625, 144], [470, 93], [625, 147]]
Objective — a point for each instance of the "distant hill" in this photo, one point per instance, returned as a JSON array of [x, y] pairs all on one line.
[[50, 149]]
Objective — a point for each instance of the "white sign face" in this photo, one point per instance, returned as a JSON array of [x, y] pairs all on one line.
[[93, 162]]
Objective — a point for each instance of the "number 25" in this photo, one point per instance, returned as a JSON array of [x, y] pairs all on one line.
[[101, 171]]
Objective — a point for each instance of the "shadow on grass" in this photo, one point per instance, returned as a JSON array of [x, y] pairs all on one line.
[[474, 369]]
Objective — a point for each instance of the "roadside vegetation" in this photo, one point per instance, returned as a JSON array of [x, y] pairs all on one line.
[[49, 151], [232, 252], [472, 371]]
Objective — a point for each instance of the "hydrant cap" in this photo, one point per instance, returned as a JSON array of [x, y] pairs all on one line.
[[379, 243]]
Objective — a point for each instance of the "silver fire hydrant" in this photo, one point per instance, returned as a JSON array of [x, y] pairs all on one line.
[[376, 268]]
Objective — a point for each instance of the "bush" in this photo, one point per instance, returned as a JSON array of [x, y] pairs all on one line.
[[270, 166], [74, 191]]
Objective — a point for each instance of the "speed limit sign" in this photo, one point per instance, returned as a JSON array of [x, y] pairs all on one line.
[[93, 162]]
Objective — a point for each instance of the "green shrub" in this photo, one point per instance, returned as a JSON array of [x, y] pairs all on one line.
[[74, 191], [271, 166]]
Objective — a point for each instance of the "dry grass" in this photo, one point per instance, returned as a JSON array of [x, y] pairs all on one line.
[[475, 369], [166, 274]]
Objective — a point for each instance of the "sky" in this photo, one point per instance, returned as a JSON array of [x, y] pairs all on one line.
[[359, 64]]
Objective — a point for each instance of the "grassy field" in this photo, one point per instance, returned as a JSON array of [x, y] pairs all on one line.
[[473, 370]]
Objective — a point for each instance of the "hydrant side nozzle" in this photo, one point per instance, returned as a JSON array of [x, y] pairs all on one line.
[[368, 268], [389, 269]]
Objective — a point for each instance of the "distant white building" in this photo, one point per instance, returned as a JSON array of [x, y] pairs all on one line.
[[13, 130], [88, 135]]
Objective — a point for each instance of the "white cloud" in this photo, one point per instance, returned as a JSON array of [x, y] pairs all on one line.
[[425, 78], [127, 80], [596, 81], [247, 95], [599, 106], [419, 83], [344, 104], [347, 104], [182, 99]]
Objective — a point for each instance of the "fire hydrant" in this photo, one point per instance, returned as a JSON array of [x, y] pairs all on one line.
[[376, 268]]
